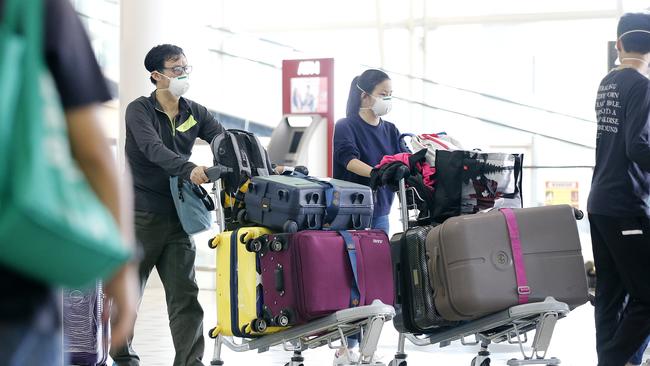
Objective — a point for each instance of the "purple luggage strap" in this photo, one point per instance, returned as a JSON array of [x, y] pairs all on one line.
[[523, 290]]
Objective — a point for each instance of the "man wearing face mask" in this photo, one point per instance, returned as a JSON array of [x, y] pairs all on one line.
[[618, 206], [361, 139], [160, 133]]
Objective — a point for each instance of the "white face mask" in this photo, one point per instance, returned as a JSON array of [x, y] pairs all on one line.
[[178, 85], [382, 105]]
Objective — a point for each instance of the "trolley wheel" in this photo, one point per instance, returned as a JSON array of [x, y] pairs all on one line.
[[397, 363], [259, 325], [485, 362], [276, 245], [242, 217], [290, 226], [254, 245]]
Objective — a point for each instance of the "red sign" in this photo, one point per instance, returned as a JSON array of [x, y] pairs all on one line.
[[308, 88]]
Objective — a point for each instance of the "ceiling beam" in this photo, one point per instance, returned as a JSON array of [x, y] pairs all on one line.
[[433, 22]]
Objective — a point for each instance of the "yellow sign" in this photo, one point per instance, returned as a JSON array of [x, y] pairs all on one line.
[[559, 193]]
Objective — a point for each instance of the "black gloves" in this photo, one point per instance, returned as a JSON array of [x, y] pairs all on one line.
[[388, 175], [418, 157], [301, 169]]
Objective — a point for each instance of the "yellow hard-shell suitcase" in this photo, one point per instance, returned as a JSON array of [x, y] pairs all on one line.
[[239, 292]]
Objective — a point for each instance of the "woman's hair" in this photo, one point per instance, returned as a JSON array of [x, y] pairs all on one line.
[[367, 82]]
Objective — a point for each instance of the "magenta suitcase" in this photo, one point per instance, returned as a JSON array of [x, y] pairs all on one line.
[[308, 274]]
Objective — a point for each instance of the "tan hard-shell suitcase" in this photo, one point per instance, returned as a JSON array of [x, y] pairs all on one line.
[[471, 257]]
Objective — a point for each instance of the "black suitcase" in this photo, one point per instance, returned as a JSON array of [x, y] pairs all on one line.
[[414, 296], [291, 203]]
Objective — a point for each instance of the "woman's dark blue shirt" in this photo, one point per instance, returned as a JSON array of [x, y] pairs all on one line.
[[356, 139]]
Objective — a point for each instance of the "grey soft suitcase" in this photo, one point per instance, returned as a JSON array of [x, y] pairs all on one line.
[[474, 266], [86, 334], [291, 203]]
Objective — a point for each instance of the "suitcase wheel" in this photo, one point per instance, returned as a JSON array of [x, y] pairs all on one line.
[[578, 214], [254, 245], [259, 325], [242, 217], [276, 245], [212, 243], [283, 319], [290, 226], [214, 332]]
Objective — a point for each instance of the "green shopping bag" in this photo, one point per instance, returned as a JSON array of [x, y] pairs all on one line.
[[52, 226]]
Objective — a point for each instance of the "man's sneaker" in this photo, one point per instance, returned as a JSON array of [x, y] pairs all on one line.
[[345, 357]]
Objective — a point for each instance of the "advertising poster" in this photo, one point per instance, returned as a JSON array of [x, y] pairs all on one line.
[[559, 193], [309, 95]]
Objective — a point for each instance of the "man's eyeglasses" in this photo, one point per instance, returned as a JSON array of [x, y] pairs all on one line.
[[179, 70]]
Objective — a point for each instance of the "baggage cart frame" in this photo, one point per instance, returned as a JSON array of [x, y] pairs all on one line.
[[367, 320], [511, 325]]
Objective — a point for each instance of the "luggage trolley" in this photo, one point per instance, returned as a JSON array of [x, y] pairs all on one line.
[[367, 320], [511, 325]]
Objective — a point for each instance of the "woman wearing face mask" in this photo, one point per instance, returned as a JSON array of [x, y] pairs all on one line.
[[363, 137]]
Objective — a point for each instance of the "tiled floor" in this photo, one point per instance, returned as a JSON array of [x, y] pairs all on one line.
[[573, 341]]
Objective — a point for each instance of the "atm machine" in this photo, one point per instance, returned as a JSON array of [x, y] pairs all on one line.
[[304, 134], [301, 140]]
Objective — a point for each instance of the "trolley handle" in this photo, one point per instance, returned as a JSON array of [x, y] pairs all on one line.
[[403, 205]]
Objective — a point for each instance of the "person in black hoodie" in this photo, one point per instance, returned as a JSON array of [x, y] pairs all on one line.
[[161, 130], [618, 206]]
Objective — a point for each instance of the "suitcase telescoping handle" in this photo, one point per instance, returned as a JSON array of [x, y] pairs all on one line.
[[215, 173], [403, 206]]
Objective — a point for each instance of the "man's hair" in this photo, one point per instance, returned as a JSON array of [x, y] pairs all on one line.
[[638, 42], [156, 57]]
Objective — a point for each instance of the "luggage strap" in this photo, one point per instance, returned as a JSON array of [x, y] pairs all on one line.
[[523, 290], [355, 295], [332, 203]]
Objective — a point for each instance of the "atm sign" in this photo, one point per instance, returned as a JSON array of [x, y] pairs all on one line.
[[309, 68]]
